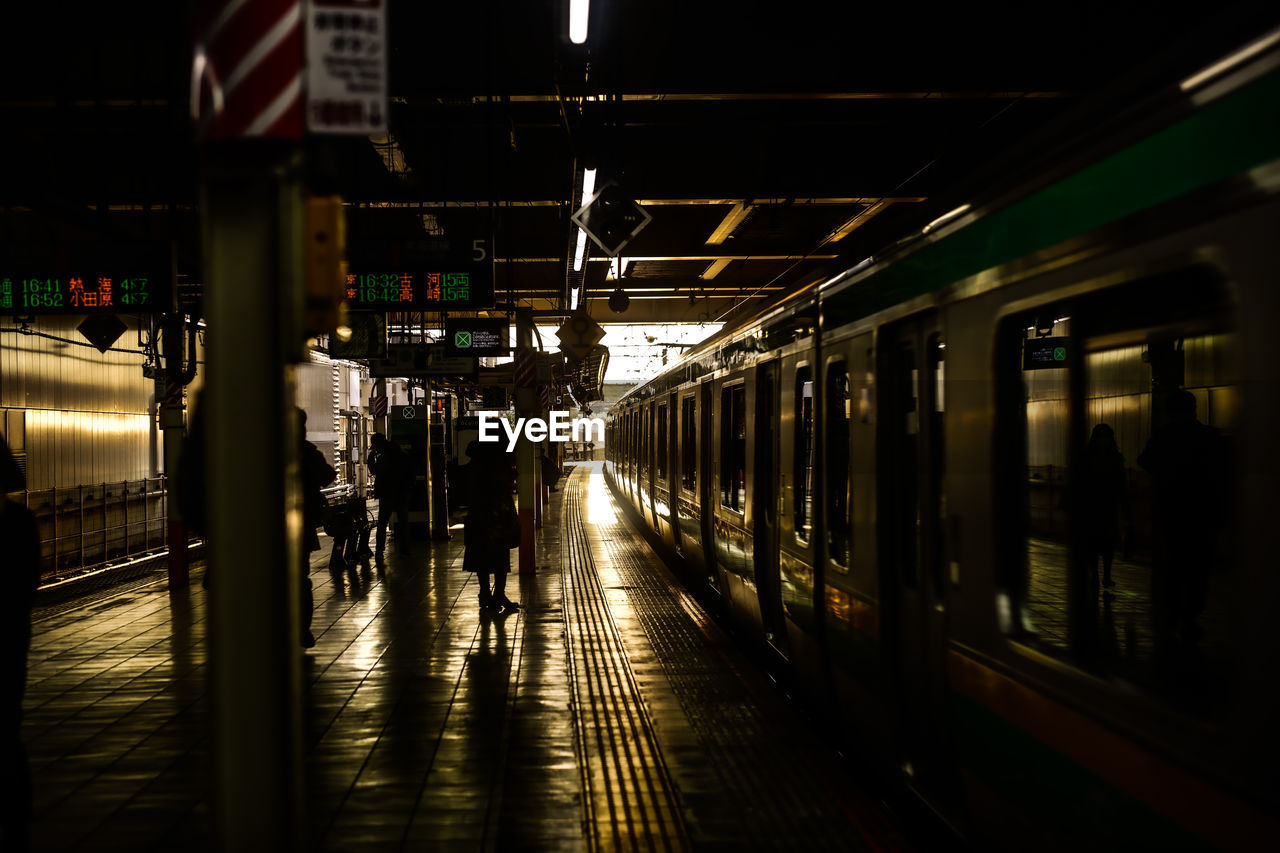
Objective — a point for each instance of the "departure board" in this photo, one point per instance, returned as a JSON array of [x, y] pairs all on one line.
[[382, 290], [25, 294], [403, 290]]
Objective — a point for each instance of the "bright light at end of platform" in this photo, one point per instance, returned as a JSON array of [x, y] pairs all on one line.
[[599, 501], [578, 10]]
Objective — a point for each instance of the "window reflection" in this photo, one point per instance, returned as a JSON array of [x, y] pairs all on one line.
[[1128, 498], [733, 448], [804, 454]]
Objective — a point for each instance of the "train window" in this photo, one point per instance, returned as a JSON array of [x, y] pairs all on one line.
[[733, 448], [688, 444], [838, 408], [1128, 547], [804, 454], [664, 443]]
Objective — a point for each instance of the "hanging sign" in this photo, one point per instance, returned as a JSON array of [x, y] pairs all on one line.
[[347, 67], [478, 337]]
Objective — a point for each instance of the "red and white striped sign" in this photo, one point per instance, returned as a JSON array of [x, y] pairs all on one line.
[[246, 73], [525, 367], [379, 406]]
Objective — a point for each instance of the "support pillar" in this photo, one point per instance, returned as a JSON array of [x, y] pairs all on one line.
[[253, 208], [169, 413], [179, 571], [526, 451]]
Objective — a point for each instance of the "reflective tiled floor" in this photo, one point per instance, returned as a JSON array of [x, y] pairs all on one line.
[[609, 714]]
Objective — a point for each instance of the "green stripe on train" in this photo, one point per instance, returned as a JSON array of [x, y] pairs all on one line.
[[1066, 801], [1228, 137]]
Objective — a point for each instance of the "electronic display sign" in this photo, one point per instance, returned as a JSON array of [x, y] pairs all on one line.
[[479, 337], [1042, 353], [28, 293], [383, 290], [404, 290]]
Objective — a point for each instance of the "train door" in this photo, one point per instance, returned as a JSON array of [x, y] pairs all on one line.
[[912, 366], [764, 510], [650, 461], [706, 486], [668, 430]]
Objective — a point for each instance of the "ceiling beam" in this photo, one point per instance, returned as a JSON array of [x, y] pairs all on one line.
[[660, 97], [703, 258], [643, 202]]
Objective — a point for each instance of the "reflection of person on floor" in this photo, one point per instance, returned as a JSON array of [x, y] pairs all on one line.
[[1190, 470], [490, 479], [22, 567], [1103, 499]]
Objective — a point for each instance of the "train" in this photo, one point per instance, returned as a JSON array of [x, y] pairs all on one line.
[[1000, 498]]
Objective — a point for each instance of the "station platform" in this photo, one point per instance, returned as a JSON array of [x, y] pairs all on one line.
[[610, 713]]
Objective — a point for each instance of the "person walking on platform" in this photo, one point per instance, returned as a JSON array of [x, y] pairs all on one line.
[[22, 541], [492, 527], [391, 482]]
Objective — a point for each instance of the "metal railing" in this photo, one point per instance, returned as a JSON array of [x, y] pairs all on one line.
[[83, 527]]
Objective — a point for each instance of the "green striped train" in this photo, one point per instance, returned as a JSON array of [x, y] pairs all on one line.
[[1003, 498]]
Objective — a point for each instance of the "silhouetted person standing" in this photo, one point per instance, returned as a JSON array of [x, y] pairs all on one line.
[[22, 575], [492, 527], [1190, 470], [1103, 499], [391, 481], [316, 474]]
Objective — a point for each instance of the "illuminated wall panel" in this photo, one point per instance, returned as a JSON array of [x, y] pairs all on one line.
[[87, 414]]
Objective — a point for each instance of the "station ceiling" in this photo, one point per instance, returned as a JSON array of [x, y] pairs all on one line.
[[771, 144]]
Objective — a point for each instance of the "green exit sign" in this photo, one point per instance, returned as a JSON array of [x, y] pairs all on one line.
[[481, 337]]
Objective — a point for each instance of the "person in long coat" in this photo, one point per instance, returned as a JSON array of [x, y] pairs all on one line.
[[490, 479]]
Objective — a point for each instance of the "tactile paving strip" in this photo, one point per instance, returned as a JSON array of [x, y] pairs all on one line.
[[743, 783], [630, 803]]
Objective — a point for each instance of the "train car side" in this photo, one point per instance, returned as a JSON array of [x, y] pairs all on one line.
[[893, 484]]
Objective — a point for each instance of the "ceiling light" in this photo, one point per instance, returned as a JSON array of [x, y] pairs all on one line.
[[945, 218], [580, 252], [731, 221], [716, 267], [618, 268], [588, 187], [1245, 53], [578, 10]]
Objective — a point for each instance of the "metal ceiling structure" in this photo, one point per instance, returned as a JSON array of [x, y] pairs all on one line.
[[771, 145]]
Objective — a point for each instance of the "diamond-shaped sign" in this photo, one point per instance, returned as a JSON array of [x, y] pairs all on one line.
[[102, 330], [579, 335], [610, 218]]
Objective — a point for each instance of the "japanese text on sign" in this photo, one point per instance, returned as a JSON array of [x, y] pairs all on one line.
[[346, 67], [76, 294], [455, 289]]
